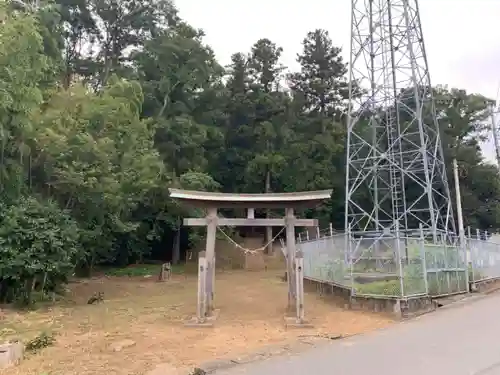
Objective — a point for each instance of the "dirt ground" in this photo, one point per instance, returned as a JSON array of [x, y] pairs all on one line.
[[252, 306]]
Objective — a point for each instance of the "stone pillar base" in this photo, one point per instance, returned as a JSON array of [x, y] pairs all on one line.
[[11, 354]]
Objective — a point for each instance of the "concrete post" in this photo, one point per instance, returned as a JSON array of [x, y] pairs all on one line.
[[460, 219], [461, 232]]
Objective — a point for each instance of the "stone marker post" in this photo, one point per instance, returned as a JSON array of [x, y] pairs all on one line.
[[299, 282], [201, 310]]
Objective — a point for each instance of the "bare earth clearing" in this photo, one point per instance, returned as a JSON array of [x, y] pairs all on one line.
[[151, 314]]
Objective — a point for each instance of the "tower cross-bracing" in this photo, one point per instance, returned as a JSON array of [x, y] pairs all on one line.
[[396, 178]]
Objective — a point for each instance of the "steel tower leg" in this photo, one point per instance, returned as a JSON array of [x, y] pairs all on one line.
[[396, 177]]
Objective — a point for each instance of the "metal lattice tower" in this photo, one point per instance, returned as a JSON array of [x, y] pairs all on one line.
[[396, 178]]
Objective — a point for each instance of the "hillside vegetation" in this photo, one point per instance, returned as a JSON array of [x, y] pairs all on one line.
[[105, 104]]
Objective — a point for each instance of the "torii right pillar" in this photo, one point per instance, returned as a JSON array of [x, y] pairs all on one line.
[[291, 249]]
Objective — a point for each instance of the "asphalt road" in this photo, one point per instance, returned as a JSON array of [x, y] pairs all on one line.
[[460, 340]]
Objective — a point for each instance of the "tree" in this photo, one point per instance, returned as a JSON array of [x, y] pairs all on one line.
[[99, 167], [175, 70], [462, 119], [268, 124], [321, 84], [320, 93], [23, 69], [268, 131], [101, 35], [180, 78]]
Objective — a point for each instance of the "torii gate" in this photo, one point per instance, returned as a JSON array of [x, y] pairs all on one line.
[[213, 201]]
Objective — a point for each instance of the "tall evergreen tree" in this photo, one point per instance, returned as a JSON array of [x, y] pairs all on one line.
[[321, 83], [320, 94]]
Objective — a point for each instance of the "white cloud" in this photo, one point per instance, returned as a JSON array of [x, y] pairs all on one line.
[[462, 44]]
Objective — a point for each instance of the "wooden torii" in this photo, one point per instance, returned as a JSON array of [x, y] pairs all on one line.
[[211, 202]]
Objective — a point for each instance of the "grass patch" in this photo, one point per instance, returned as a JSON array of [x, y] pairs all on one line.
[[438, 283], [392, 288], [141, 270], [379, 288]]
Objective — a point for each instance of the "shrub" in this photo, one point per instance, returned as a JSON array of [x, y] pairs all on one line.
[[38, 244], [43, 340]]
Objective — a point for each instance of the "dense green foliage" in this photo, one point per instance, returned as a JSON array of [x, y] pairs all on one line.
[[105, 104]]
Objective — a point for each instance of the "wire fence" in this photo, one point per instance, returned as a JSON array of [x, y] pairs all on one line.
[[381, 265], [483, 253]]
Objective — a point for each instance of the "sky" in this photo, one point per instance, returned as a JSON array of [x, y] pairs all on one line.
[[461, 36]]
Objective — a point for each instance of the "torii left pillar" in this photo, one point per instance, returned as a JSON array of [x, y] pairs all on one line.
[[205, 312]]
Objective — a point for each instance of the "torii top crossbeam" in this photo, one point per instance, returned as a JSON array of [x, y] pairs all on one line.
[[265, 200]]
